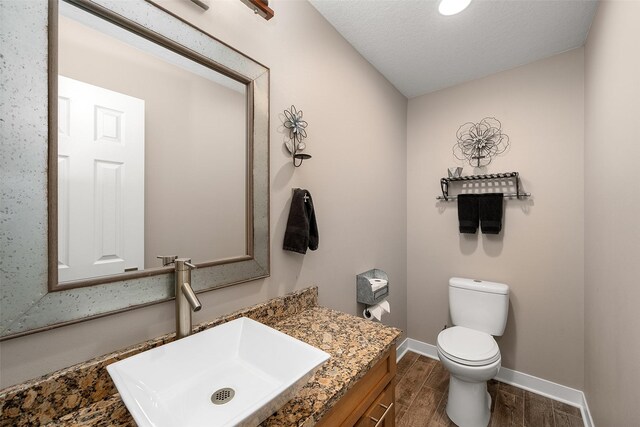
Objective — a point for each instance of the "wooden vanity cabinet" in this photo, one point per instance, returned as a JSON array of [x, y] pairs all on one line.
[[371, 401]]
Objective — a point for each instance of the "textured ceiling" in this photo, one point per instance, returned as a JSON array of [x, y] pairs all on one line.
[[420, 51]]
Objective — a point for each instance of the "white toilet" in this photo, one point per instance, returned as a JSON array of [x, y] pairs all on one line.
[[468, 351]]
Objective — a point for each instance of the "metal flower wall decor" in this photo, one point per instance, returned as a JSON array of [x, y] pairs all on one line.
[[479, 142], [297, 133]]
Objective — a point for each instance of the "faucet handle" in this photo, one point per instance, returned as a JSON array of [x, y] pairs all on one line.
[[183, 264], [166, 260]]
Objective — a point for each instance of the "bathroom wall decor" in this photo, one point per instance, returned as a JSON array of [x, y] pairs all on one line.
[[260, 7], [479, 142], [201, 3], [297, 133]]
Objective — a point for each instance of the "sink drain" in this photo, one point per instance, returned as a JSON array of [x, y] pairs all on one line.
[[222, 396]]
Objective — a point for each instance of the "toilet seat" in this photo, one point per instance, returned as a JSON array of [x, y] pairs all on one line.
[[468, 346]]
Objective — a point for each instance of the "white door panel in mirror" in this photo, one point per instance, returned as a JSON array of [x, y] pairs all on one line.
[[100, 181], [192, 195]]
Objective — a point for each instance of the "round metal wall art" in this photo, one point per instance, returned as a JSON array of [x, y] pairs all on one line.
[[479, 142]]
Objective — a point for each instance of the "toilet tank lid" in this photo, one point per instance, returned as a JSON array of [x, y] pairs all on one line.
[[479, 285]]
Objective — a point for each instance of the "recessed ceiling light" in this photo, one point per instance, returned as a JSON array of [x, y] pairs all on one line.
[[451, 7]]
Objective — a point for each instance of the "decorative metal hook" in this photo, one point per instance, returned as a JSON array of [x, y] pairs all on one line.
[[300, 157], [297, 133]]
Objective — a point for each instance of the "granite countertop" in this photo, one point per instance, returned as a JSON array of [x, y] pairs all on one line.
[[355, 345]]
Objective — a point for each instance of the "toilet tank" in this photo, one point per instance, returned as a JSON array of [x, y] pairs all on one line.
[[479, 305]]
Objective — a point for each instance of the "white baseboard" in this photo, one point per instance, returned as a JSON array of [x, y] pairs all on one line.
[[528, 382], [586, 413], [402, 349], [422, 348]]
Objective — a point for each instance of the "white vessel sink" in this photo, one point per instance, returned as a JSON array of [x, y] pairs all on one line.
[[174, 385]]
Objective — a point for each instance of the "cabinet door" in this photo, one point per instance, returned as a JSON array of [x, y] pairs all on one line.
[[382, 412], [364, 395]]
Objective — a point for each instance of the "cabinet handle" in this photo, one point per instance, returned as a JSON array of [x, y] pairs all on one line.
[[387, 409]]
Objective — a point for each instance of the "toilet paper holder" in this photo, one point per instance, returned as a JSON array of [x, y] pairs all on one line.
[[364, 288]]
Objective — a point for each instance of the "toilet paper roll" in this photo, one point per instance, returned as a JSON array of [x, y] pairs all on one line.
[[376, 311], [377, 284]]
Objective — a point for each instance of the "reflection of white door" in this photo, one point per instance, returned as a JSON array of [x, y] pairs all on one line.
[[100, 181]]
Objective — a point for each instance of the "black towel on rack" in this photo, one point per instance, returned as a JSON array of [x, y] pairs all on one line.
[[468, 213], [490, 205], [302, 228]]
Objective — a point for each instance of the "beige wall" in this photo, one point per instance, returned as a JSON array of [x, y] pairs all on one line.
[[539, 253], [195, 144], [612, 206], [357, 134]]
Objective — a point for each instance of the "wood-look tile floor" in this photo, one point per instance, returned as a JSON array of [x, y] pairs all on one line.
[[421, 398]]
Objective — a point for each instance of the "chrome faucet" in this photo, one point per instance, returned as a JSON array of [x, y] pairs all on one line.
[[186, 299]]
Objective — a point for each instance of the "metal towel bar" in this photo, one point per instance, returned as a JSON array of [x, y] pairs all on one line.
[[444, 184]]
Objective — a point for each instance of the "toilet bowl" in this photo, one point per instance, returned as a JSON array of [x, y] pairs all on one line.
[[472, 358], [468, 350]]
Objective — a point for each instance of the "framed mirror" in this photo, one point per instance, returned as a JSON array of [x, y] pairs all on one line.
[[158, 144]]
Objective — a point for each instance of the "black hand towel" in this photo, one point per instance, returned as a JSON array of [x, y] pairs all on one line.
[[302, 228], [491, 212], [468, 213]]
